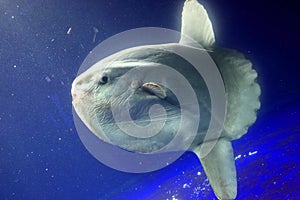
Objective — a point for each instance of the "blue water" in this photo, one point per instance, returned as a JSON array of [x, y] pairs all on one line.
[[41, 155]]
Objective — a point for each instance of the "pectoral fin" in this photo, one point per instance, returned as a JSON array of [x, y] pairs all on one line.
[[219, 167]]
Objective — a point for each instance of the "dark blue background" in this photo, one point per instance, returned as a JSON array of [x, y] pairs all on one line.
[[41, 155]]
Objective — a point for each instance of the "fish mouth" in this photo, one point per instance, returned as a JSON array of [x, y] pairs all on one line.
[[155, 89]]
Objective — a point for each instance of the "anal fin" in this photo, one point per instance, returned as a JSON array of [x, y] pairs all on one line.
[[219, 166]]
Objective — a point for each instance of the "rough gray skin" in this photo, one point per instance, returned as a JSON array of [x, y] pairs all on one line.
[[94, 103]]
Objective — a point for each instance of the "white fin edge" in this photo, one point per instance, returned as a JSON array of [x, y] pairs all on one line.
[[196, 25]]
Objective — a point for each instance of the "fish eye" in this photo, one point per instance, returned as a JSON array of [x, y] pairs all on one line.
[[103, 80]]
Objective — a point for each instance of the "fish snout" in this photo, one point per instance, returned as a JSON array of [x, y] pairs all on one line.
[[77, 94], [77, 90], [74, 95]]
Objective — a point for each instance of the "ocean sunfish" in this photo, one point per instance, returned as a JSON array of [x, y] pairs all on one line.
[[94, 92]]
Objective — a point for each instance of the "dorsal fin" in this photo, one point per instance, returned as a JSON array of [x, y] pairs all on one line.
[[196, 25]]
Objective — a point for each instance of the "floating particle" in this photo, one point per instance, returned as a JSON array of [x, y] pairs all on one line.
[[237, 157], [252, 153], [174, 197], [95, 30], [186, 186], [69, 31], [95, 34], [48, 79]]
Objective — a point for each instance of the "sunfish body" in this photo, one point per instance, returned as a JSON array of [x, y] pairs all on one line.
[[94, 92]]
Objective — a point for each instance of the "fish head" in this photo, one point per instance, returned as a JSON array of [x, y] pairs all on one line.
[[125, 91]]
